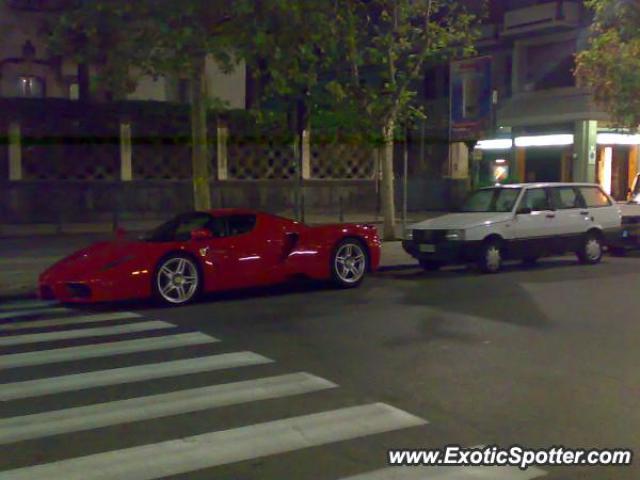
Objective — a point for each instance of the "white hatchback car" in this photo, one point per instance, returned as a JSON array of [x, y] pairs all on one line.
[[521, 221]]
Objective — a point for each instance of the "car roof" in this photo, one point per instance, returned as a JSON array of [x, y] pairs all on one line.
[[545, 184]]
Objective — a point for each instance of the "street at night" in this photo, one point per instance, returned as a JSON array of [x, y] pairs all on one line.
[[536, 356]]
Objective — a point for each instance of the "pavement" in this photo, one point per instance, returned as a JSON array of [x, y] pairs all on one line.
[[310, 383], [23, 257]]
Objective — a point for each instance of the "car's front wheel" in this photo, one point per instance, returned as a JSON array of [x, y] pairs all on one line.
[[490, 258], [349, 263], [177, 280], [591, 250]]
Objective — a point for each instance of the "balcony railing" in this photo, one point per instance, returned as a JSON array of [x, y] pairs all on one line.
[[553, 14]]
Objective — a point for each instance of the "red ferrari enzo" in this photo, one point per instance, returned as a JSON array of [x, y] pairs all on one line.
[[221, 249]]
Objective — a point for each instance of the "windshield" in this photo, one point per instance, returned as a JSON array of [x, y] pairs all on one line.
[[492, 200]]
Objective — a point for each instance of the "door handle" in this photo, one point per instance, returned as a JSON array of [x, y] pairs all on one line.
[[584, 212], [550, 215]]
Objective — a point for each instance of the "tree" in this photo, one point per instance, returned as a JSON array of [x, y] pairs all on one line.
[[289, 49], [154, 37], [610, 65], [385, 45]]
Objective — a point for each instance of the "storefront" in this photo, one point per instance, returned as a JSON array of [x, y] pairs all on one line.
[[612, 162]]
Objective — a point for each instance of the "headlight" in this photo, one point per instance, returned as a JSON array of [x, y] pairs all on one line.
[[455, 235], [408, 234]]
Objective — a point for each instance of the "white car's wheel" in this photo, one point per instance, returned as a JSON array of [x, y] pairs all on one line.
[[490, 258], [591, 250], [177, 280], [349, 263]]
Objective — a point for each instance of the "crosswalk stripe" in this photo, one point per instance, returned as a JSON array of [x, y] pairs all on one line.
[[22, 304], [32, 312], [63, 321], [117, 376], [450, 473], [103, 349], [208, 450], [156, 406], [26, 338]]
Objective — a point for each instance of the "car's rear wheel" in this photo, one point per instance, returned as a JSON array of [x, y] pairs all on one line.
[[349, 263], [591, 250], [430, 265], [490, 258], [177, 280]]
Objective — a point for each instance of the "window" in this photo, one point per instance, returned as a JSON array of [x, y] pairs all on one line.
[[594, 197], [536, 199], [491, 200], [239, 224], [565, 197], [29, 86]]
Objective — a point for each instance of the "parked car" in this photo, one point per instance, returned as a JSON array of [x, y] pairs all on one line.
[[520, 221], [208, 251], [629, 238]]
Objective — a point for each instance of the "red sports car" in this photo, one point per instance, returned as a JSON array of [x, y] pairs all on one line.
[[221, 249]]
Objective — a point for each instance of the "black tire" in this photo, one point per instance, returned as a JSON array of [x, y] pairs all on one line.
[[591, 250], [176, 280], [530, 261], [490, 257], [349, 263], [430, 265]]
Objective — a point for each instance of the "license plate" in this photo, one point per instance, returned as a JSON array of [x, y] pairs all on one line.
[[427, 248]]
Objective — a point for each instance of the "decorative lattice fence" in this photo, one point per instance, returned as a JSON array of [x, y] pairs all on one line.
[[260, 159], [342, 160]]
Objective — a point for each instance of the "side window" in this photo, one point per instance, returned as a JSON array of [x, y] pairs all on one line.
[[217, 226], [535, 199], [190, 223], [239, 224], [565, 197], [594, 197]]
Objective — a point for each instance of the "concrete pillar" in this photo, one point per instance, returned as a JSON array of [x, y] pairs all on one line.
[[223, 167], [519, 154], [15, 152], [126, 153], [459, 167], [306, 154], [584, 151]]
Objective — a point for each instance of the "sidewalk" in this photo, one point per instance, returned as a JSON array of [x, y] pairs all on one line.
[[23, 258]]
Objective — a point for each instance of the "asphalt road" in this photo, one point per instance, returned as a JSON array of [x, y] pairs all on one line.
[[540, 357]]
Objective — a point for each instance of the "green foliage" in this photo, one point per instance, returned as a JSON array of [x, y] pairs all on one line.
[[125, 40], [610, 66]]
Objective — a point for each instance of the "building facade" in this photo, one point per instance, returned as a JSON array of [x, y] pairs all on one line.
[[546, 128]]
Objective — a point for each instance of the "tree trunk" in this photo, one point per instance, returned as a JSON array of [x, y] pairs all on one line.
[[387, 190], [199, 143]]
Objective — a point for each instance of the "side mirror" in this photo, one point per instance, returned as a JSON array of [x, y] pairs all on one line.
[[524, 211], [201, 234]]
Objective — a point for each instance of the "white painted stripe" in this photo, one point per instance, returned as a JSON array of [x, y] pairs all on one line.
[[156, 406], [117, 376], [25, 338], [32, 312], [59, 322], [188, 454], [103, 349], [28, 304], [450, 473]]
